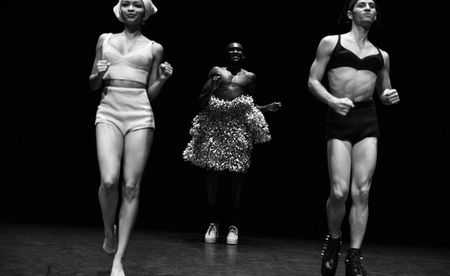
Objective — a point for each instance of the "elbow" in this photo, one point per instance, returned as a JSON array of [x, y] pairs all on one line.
[[151, 97], [311, 84], [152, 94], [93, 84]]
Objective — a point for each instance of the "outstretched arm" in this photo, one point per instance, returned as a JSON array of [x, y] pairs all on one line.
[[387, 95], [272, 107]]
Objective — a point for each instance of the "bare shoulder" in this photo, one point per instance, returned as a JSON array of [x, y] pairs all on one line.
[[103, 36], [384, 54], [101, 39], [157, 48], [214, 71], [327, 43], [249, 74], [330, 39]]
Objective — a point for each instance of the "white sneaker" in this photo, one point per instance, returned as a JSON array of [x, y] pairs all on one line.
[[232, 237], [212, 233]]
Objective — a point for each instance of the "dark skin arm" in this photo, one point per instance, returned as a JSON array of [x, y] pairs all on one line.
[[272, 107], [208, 88]]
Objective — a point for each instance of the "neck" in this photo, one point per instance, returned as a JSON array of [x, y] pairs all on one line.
[[359, 33], [132, 31], [234, 68]]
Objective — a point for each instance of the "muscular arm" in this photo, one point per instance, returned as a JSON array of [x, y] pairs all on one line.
[[251, 89], [208, 87], [383, 80], [95, 79], [318, 67], [155, 82]]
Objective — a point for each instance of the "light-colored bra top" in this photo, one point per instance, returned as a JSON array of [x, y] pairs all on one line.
[[132, 66]]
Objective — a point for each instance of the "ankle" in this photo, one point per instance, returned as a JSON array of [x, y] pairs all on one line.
[[335, 236], [353, 251], [110, 231]]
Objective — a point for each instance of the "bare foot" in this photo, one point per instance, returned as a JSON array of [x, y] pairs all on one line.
[[117, 268], [110, 242]]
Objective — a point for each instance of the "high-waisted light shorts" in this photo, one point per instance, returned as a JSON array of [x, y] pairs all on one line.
[[128, 109]]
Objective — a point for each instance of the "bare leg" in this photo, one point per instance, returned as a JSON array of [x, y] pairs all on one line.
[[339, 168], [109, 152], [136, 150], [364, 157]]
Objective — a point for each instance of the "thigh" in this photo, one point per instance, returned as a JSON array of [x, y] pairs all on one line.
[[364, 159], [339, 162], [137, 148], [109, 149]]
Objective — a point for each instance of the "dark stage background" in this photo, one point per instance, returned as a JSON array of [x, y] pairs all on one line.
[[52, 175]]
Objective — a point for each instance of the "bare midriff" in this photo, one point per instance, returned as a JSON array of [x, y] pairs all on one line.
[[347, 82]]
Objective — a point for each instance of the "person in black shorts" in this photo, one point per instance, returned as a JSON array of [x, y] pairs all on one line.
[[354, 68]]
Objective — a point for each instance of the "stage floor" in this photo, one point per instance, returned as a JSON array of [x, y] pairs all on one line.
[[36, 249]]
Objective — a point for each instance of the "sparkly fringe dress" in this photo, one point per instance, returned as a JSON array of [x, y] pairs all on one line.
[[223, 134]]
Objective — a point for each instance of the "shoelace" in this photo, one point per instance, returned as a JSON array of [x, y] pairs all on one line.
[[233, 229], [210, 228]]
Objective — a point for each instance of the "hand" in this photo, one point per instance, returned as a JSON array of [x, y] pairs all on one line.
[[390, 96], [102, 67], [165, 70], [216, 79], [342, 105], [273, 107]]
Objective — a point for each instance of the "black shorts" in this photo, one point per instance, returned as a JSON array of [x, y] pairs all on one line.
[[360, 122]]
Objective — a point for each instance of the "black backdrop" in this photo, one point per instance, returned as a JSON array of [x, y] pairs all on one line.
[[51, 175]]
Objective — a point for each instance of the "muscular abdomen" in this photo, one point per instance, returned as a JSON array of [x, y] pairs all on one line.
[[229, 91], [357, 85]]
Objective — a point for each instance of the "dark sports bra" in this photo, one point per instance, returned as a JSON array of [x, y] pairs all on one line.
[[342, 57]]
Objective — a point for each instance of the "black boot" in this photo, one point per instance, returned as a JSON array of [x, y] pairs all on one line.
[[353, 263], [330, 255]]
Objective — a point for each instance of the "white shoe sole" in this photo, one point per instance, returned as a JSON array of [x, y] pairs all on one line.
[[232, 242], [210, 240]]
